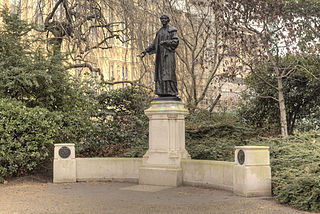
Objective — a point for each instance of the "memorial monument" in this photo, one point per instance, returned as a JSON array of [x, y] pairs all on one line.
[[167, 162], [162, 162], [164, 46]]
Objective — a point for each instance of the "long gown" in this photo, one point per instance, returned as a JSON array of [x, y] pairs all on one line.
[[165, 64]]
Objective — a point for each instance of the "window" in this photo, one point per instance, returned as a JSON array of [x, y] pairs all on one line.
[[122, 77], [94, 34], [126, 73], [39, 12], [16, 7], [124, 33], [118, 72], [150, 32], [111, 22], [150, 78], [150, 28], [93, 72], [111, 75]]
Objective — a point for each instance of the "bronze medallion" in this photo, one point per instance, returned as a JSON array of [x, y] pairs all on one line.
[[64, 152], [241, 157]]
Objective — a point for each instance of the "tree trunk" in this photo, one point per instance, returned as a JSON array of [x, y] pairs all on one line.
[[215, 102], [282, 106]]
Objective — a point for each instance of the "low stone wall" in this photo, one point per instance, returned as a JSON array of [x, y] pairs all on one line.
[[217, 174], [102, 169], [249, 175]]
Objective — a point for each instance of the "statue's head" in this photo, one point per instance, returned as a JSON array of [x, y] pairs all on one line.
[[164, 19]]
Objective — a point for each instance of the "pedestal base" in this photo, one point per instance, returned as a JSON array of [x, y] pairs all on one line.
[[252, 172], [162, 176], [64, 163], [161, 164], [64, 171], [252, 181]]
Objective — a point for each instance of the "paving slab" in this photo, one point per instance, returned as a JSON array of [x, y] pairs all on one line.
[[118, 198]]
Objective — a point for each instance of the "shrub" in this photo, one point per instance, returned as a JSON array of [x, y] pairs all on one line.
[[209, 136], [295, 163], [121, 125], [26, 137], [29, 73], [213, 136]]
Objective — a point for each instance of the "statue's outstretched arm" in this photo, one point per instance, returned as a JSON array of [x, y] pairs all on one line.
[[151, 49]]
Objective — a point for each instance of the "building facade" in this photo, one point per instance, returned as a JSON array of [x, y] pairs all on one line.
[[128, 30]]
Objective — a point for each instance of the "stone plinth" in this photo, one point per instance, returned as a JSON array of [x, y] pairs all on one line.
[[252, 172], [162, 163], [64, 163]]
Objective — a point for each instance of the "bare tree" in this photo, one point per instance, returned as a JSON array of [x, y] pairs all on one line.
[[83, 29], [203, 48]]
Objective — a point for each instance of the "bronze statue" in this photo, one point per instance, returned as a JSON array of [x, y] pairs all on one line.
[[164, 46]]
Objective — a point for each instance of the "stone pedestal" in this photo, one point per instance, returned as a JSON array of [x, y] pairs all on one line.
[[162, 163], [64, 163], [252, 172]]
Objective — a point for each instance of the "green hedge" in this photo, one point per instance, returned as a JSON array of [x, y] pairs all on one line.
[[295, 164], [295, 160], [26, 137], [213, 136], [121, 125]]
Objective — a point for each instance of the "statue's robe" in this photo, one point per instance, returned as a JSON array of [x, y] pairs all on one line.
[[165, 64]]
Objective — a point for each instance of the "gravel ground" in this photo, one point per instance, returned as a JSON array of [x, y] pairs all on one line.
[[116, 198]]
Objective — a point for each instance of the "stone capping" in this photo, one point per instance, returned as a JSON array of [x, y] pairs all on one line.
[[252, 147], [211, 162], [164, 107], [64, 144], [60, 145], [254, 155]]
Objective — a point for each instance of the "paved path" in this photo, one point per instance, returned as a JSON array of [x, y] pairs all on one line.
[[128, 198]]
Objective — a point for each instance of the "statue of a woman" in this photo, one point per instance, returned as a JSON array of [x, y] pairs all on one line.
[[164, 46]]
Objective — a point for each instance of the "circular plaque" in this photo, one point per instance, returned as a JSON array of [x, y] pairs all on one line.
[[64, 152], [241, 157]]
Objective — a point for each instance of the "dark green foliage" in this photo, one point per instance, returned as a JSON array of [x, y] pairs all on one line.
[[27, 137], [121, 124], [209, 136], [295, 163], [38, 79], [37, 83], [213, 136], [301, 89], [29, 73]]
